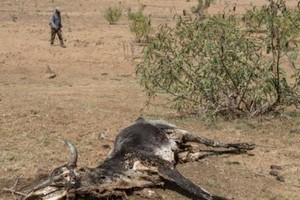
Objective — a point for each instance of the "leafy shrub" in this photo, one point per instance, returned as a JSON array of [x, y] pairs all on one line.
[[113, 14], [140, 24], [226, 65]]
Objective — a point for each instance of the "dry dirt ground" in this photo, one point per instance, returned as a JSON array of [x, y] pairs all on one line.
[[96, 90]]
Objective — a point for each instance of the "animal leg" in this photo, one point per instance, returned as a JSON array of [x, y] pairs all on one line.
[[188, 151], [172, 175], [189, 137]]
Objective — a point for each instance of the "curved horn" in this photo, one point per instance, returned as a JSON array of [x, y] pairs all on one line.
[[74, 154]]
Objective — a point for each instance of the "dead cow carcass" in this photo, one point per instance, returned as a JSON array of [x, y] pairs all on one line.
[[145, 155]]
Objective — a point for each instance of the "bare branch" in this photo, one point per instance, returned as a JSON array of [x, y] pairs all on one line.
[[13, 190]]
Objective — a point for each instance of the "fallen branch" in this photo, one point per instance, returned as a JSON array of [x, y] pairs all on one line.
[[13, 190]]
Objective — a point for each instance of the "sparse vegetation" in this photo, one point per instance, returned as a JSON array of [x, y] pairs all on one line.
[[225, 64], [113, 14], [140, 24], [201, 7], [13, 17]]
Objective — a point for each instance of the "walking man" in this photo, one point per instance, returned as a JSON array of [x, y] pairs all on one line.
[[56, 26]]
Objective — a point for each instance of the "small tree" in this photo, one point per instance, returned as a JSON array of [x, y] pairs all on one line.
[[224, 64], [278, 28], [113, 14]]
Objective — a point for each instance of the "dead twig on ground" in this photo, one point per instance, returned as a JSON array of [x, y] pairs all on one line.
[[13, 190]]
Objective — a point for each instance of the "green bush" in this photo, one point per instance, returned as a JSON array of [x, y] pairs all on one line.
[[113, 14], [139, 24], [226, 65]]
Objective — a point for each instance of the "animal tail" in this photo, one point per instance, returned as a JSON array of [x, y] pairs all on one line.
[[172, 175]]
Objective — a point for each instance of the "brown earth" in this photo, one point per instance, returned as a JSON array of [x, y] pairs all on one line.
[[96, 90]]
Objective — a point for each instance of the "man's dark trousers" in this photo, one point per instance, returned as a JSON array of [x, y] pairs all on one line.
[[59, 33]]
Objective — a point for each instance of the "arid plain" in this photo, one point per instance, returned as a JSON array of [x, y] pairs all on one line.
[[95, 90]]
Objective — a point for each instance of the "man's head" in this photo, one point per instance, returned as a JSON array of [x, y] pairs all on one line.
[[57, 9]]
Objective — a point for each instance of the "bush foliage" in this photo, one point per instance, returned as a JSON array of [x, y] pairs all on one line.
[[113, 14], [226, 64], [139, 24]]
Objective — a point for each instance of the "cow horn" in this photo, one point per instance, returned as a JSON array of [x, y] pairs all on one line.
[[74, 154]]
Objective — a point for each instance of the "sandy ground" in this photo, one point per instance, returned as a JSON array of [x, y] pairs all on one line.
[[96, 90]]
